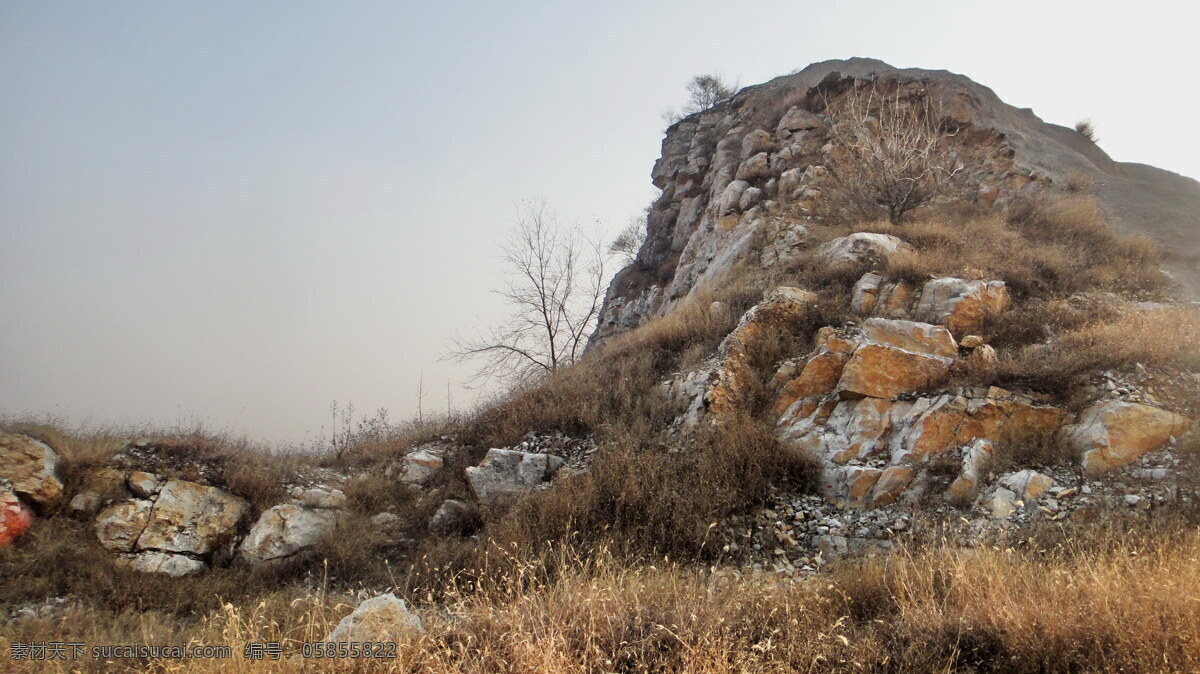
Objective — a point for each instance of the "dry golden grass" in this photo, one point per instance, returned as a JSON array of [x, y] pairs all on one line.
[[1117, 599], [1163, 338]]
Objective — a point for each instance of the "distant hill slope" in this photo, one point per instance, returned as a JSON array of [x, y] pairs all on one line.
[[1164, 205]]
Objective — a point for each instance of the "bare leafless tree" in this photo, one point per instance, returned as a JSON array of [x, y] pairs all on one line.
[[890, 154], [629, 241], [555, 286]]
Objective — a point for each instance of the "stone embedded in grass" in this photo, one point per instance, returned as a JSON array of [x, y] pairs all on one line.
[[505, 474], [153, 561], [381, 619], [31, 468], [421, 464], [961, 305], [453, 516], [862, 247], [284, 530]]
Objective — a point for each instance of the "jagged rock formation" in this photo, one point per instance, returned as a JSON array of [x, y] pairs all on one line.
[[720, 169]]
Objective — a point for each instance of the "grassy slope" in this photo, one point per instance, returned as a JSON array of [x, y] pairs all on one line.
[[600, 573]]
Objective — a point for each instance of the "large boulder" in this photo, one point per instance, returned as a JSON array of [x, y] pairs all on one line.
[[15, 518], [385, 618], [285, 530], [861, 247], [505, 474], [961, 305], [1112, 434], [191, 518], [31, 468]]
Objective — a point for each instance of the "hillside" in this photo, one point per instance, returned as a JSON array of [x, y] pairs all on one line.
[[801, 439]]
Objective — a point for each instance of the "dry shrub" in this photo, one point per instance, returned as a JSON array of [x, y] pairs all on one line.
[[650, 500]]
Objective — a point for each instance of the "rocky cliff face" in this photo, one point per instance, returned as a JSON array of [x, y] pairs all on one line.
[[739, 179]]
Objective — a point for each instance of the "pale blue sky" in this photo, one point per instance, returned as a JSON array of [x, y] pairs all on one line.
[[239, 212]]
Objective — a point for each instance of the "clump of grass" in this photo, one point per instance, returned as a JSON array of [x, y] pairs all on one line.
[[1162, 338], [1049, 245]]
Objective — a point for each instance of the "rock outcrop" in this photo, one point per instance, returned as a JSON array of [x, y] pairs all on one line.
[[736, 374], [505, 474], [723, 170], [1111, 434], [859, 441]]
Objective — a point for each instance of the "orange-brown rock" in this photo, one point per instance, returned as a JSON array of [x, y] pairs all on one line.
[[933, 425], [891, 484], [894, 300], [884, 372], [819, 377], [859, 482], [933, 340], [983, 354], [1111, 434], [737, 375]]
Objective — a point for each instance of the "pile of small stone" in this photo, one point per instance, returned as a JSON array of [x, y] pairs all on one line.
[[798, 534], [575, 452], [42, 610]]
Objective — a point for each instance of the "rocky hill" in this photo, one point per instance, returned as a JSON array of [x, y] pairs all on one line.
[[776, 392], [720, 167]]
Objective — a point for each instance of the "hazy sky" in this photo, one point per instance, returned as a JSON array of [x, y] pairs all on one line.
[[240, 212]]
